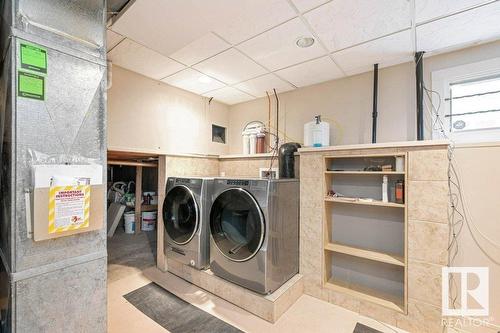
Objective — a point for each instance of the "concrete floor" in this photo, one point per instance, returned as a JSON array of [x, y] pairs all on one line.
[[129, 254]]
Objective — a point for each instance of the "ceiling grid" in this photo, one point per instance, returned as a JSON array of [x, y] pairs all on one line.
[[236, 51]]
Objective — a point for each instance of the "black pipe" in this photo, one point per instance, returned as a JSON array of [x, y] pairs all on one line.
[[375, 103], [419, 75], [277, 118]]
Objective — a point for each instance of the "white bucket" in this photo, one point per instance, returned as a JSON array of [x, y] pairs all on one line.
[[129, 219], [148, 221]]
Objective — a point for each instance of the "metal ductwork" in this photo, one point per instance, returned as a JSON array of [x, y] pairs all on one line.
[[55, 108]]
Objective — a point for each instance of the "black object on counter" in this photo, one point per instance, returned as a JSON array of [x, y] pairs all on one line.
[[287, 159]]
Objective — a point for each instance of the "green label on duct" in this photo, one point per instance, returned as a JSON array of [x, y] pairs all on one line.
[[31, 85], [33, 58]]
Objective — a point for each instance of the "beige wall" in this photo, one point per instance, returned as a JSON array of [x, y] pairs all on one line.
[[146, 115], [347, 103], [480, 179]]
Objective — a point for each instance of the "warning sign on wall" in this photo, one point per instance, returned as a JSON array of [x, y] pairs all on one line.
[[33, 57], [69, 208]]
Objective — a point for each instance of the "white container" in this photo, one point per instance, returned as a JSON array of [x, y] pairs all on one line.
[[400, 164], [253, 143], [129, 219], [385, 197], [246, 144], [317, 133], [152, 195], [148, 221]]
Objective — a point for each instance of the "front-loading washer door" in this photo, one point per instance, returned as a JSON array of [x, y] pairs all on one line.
[[180, 214], [237, 225]]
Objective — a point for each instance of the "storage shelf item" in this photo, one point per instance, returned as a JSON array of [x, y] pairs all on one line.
[[367, 203], [366, 254], [365, 238]]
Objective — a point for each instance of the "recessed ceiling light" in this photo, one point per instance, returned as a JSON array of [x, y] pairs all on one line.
[[304, 41], [204, 79]]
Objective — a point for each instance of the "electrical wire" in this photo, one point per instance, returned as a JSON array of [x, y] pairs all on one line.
[[276, 146], [458, 213]]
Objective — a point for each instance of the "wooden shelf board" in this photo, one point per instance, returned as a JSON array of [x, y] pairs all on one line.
[[364, 172], [368, 294], [148, 208], [366, 203], [366, 254], [132, 163]]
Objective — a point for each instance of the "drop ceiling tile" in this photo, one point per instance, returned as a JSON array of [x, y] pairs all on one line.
[[426, 10], [258, 86], [137, 58], [473, 26], [343, 23], [194, 81], [277, 47], [311, 72], [229, 95], [163, 26], [202, 48], [112, 39], [305, 5], [237, 21], [386, 51], [230, 67]]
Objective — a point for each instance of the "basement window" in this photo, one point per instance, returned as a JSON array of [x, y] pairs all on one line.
[[218, 134], [466, 102], [474, 105]]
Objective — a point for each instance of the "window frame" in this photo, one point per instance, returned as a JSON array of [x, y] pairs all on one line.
[[441, 81]]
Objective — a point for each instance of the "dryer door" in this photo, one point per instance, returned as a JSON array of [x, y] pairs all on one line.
[[180, 214], [237, 224]]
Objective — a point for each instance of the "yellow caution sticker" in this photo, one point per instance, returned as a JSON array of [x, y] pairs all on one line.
[[69, 208]]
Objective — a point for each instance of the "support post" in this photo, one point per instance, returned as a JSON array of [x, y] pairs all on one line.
[[161, 263], [138, 199]]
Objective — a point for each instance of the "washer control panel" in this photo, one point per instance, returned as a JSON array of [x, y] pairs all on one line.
[[238, 182]]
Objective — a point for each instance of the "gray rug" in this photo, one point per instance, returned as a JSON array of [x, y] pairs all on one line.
[[360, 328], [175, 314]]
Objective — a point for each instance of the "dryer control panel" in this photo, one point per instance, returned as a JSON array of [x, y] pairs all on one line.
[[238, 182]]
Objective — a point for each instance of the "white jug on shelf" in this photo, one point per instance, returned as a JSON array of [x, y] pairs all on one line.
[[317, 133]]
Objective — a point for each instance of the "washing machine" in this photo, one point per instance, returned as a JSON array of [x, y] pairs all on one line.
[[254, 232], [185, 218]]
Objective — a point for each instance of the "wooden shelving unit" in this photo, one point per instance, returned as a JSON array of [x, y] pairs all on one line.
[[140, 161], [364, 173], [366, 203], [371, 295], [149, 208], [366, 254], [341, 274]]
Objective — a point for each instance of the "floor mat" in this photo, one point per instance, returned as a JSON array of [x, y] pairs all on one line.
[[175, 314], [360, 328]]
